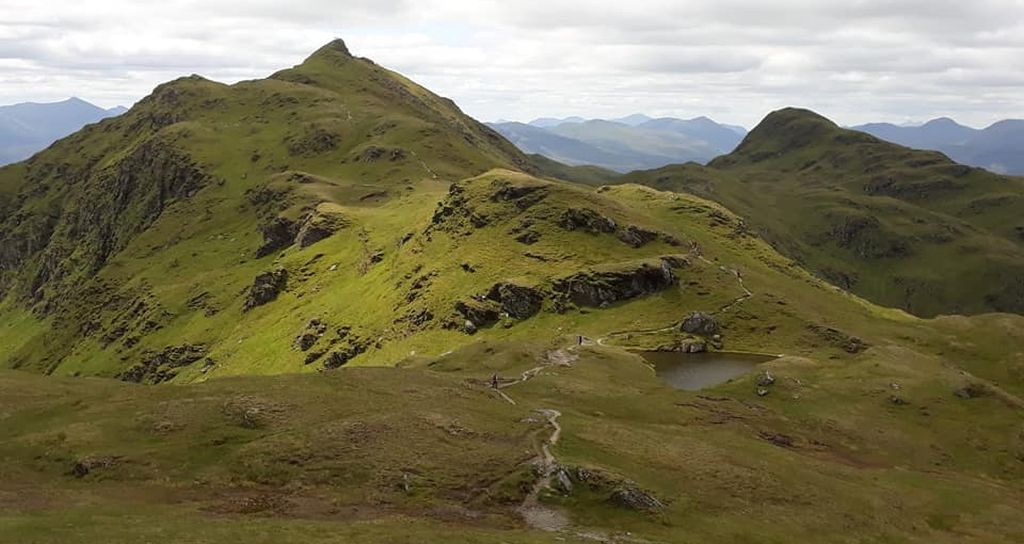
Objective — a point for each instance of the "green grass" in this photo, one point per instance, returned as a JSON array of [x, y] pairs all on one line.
[[328, 453], [903, 228], [260, 443]]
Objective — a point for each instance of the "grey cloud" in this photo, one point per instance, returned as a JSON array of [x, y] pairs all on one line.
[[858, 61]]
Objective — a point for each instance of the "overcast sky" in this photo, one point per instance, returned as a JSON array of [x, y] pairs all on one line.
[[733, 60]]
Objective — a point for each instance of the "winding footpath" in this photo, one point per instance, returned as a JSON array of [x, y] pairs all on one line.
[[532, 510]]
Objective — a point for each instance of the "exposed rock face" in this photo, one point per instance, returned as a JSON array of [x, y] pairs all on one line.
[[523, 196], [321, 224], [72, 240], [375, 154], [455, 215], [315, 141], [158, 367], [635, 236], [265, 288], [310, 335], [518, 301], [631, 497], [339, 347], [481, 313], [350, 346], [700, 323], [313, 227], [277, 235], [599, 287], [586, 220], [692, 346]]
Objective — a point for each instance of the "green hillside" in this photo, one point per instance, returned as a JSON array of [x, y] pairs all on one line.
[[278, 311], [901, 227]]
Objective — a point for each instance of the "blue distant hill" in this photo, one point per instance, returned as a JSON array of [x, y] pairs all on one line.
[[635, 142], [998, 148], [31, 127]]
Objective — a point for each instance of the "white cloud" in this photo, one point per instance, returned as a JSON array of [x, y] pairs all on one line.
[[735, 60]]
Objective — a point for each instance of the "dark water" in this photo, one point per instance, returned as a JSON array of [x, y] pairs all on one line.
[[694, 371]]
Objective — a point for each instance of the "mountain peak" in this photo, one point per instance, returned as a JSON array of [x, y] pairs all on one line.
[[942, 122], [794, 115], [780, 132], [334, 47]]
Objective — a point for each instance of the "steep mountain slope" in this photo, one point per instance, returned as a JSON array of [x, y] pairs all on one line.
[[998, 148], [30, 127], [636, 142], [901, 227], [195, 187]]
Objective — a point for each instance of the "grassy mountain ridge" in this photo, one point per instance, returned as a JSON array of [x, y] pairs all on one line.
[[901, 227]]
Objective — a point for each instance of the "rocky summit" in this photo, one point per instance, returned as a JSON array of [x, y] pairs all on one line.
[[329, 306]]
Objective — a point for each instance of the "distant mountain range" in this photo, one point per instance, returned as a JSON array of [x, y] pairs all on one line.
[[998, 148], [630, 143], [31, 127]]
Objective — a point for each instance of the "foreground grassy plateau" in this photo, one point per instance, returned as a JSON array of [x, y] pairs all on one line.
[[429, 451]]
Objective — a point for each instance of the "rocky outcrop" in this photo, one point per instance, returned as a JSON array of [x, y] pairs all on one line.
[[278, 234], [92, 212], [314, 330], [164, 365], [590, 221], [601, 286], [522, 196], [339, 347], [265, 288], [699, 323], [635, 236], [586, 220], [691, 345], [314, 141], [481, 313], [518, 301], [632, 497], [376, 154], [312, 227], [455, 215], [321, 224], [348, 347]]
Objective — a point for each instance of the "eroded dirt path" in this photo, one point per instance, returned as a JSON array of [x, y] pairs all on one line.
[[533, 512], [536, 514]]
